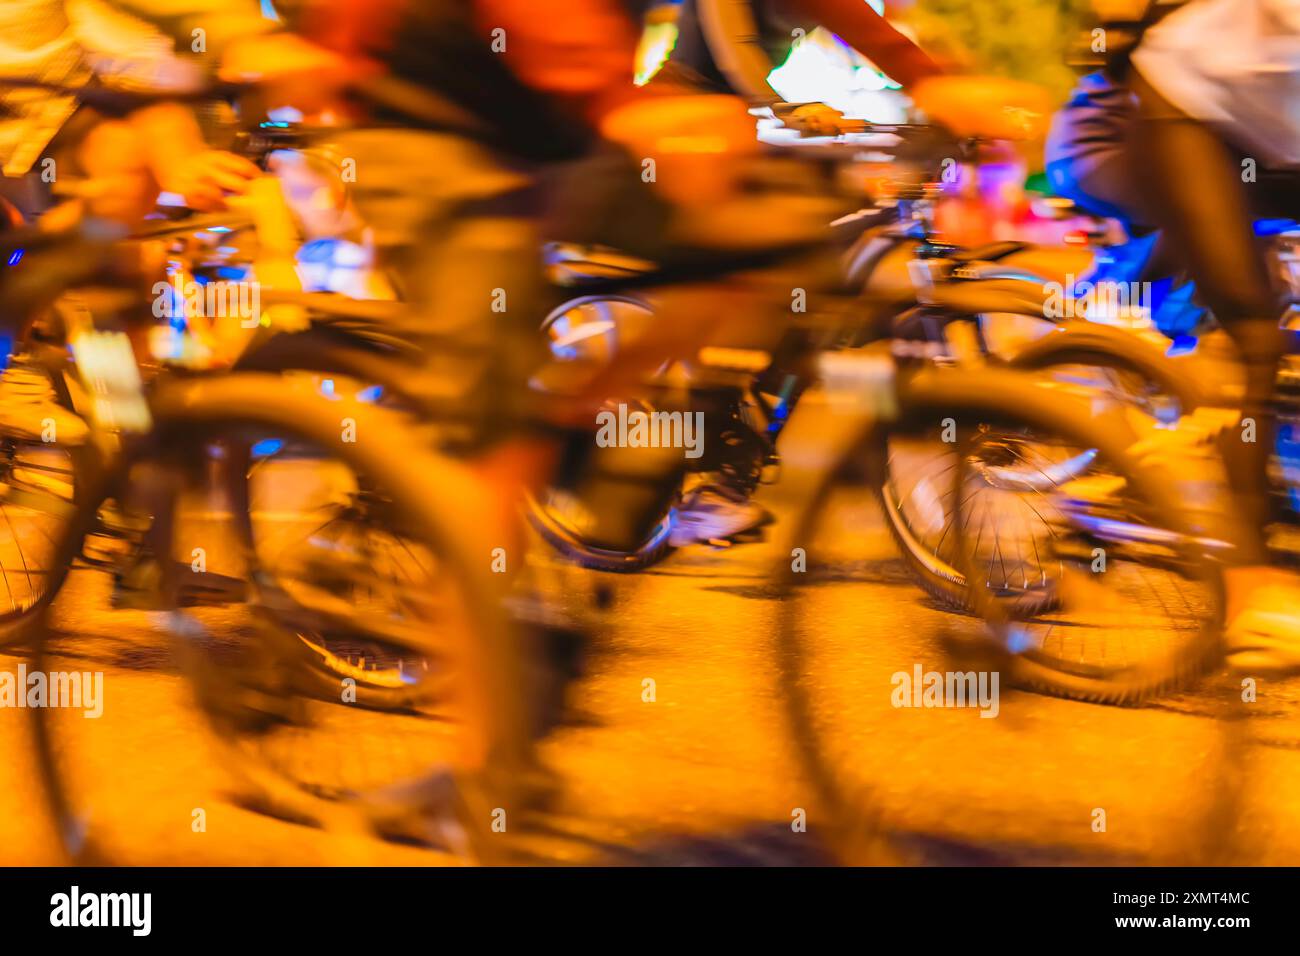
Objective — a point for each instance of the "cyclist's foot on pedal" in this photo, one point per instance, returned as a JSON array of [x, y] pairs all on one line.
[[1262, 636], [30, 411], [715, 512], [140, 587]]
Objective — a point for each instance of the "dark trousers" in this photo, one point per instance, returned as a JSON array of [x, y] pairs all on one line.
[[1200, 197]]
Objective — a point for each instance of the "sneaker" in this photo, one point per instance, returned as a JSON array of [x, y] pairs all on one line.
[[1263, 637], [30, 411], [140, 587], [711, 512]]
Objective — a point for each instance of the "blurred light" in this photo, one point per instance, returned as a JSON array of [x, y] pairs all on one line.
[[285, 115], [1275, 227], [267, 446], [16, 258], [822, 68], [652, 52]]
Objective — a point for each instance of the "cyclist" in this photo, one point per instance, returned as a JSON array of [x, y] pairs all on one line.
[[482, 99], [1090, 161], [1218, 135], [731, 46], [46, 136]]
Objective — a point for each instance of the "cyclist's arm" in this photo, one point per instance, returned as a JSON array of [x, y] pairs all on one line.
[[873, 36]]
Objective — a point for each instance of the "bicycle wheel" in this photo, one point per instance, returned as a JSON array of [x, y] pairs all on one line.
[[1108, 367], [590, 328], [1138, 603], [329, 550], [837, 665], [40, 483], [434, 774], [340, 526]]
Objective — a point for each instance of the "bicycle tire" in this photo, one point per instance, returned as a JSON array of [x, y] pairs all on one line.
[[16, 625], [1070, 344], [1108, 434], [497, 662], [857, 831]]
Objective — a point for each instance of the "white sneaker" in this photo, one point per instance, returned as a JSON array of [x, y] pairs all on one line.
[[29, 410], [711, 512]]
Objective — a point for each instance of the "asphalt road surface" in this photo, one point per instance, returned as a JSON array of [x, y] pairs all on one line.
[[708, 771]]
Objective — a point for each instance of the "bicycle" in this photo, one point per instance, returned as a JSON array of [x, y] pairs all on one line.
[[926, 288], [152, 435]]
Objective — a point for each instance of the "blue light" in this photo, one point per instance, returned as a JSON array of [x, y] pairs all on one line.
[[327, 387], [1019, 640], [1275, 227], [16, 258], [371, 395], [267, 446]]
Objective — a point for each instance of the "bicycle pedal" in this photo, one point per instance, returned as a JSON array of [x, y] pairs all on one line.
[[141, 589], [213, 590]]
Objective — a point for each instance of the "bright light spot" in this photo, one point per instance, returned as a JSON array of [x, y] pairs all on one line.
[[657, 42], [823, 69]]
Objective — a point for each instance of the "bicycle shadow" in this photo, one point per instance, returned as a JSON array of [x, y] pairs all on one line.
[[776, 845]]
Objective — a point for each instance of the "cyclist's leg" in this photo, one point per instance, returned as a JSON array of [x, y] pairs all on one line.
[[1091, 160], [451, 224], [1194, 179]]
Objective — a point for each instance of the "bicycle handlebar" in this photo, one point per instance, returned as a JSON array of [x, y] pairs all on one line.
[[410, 99]]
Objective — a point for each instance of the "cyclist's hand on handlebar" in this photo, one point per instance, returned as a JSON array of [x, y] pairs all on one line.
[[988, 107], [205, 178], [817, 119]]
